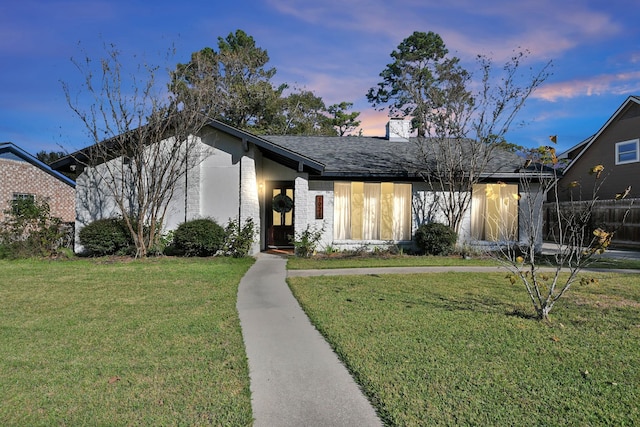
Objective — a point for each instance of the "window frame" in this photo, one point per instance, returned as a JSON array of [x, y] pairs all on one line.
[[636, 142], [24, 196]]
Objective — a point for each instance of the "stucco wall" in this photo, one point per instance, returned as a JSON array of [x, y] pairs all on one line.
[[17, 176]]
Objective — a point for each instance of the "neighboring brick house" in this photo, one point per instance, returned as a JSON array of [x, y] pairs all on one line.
[[22, 175]]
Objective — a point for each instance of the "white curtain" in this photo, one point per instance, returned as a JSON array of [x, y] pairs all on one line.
[[371, 211], [402, 212], [509, 211], [478, 209], [494, 212], [342, 210]]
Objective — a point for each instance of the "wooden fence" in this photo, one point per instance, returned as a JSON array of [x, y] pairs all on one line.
[[607, 214]]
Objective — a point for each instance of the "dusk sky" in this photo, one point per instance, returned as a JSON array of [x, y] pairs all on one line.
[[335, 48]]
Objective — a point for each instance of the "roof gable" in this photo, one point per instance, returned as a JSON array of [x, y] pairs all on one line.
[[622, 111], [9, 150], [278, 153]]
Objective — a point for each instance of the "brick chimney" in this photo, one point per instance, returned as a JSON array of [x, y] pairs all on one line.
[[398, 129]]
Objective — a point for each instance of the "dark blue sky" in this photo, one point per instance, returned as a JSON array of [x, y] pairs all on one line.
[[335, 48]]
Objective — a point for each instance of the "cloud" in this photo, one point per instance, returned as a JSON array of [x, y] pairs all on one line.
[[547, 28], [616, 84], [373, 122]]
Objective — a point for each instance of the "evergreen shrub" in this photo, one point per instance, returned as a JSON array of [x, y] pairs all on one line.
[[108, 236], [436, 239], [198, 237]]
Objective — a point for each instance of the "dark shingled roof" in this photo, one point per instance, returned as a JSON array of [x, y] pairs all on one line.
[[377, 157], [330, 157]]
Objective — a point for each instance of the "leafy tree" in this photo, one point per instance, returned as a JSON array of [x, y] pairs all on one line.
[[234, 79], [304, 113], [238, 81], [50, 156], [414, 84], [341, 120], [458, 127]]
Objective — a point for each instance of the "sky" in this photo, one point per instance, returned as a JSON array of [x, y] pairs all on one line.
[[335, 48]]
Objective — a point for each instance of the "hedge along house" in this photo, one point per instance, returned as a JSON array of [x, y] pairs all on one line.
[[358, 190]]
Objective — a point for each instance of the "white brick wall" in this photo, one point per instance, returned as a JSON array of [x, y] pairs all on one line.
[[250, 207]]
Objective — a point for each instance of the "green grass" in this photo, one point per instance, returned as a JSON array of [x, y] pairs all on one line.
[[460, 349], [622, 263], [314, 263], [324, 262], [95, 342]]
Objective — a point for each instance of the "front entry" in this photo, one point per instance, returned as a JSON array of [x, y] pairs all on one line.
[[280, 210]]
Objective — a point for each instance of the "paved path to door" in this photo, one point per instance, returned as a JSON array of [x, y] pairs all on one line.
[[296, 378]]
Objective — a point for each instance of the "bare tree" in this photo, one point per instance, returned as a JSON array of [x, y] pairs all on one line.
[[144, 140], [467, 130], [459, 129], [575, 239]]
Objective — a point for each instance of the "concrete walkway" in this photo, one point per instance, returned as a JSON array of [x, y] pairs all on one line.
[[296, 378]]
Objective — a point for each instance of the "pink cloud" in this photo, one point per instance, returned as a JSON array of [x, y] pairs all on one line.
[[545, 27], [373, 122], [619, 84]]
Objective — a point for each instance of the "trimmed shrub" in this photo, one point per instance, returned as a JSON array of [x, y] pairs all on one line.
[[198, 237], [435, 239], [109, 236]]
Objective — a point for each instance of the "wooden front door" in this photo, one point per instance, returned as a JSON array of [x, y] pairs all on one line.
[[280, 214]]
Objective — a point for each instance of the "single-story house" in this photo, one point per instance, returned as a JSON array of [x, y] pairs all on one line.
[[358, 190], [24, 176]]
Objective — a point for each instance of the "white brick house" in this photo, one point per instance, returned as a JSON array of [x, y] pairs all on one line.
[[359, 190]]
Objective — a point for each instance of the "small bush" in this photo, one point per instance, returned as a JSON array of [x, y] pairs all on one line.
[[306, 242], [198, 237], [108, 236], [238, 240], [435, 239], [29, 230]]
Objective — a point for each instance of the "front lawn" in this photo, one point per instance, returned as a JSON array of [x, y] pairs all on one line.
[[97, 342], [460, 349], [372, 260]]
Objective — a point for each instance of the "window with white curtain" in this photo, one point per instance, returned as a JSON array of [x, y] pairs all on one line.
[[494, 212], [372, 211]]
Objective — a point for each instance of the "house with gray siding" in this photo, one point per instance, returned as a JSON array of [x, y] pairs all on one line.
[[357, 190], [616, 146]]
